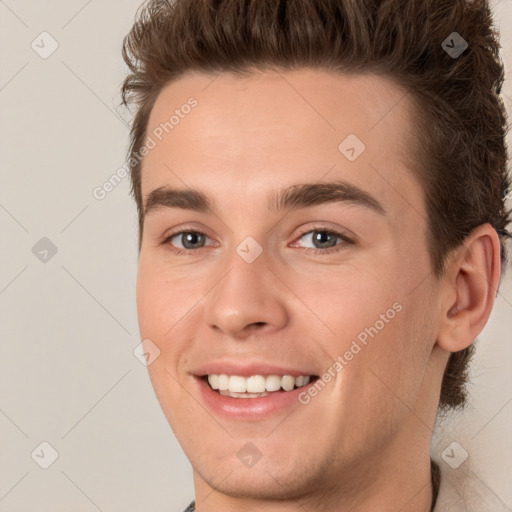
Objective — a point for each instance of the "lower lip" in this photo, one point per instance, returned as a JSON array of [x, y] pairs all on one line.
[[250, 408]]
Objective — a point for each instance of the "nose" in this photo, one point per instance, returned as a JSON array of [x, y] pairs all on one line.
[[248, 298]]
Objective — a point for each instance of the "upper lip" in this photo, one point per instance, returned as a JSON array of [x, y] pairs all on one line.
[[248, 369]]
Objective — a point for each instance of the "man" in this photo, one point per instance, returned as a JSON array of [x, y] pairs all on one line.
[[320, 187]]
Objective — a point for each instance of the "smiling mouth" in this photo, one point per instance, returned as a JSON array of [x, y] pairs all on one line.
[[255, 386]]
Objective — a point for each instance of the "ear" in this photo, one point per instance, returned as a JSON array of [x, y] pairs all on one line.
[[470, 285]]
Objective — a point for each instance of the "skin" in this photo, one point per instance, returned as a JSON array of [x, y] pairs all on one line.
[[363, 442]]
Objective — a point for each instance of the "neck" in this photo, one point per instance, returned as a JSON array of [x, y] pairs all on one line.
[[399, 487]]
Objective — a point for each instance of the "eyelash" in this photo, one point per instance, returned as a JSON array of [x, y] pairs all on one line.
[[308, 250]]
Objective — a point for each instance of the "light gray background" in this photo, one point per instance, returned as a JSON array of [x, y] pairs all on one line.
[[68, 327]]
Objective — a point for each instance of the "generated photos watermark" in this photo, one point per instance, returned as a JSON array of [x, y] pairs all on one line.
[[152, 140], [357, 345]]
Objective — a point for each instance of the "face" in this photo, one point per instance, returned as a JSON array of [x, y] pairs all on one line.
[[270, 275]]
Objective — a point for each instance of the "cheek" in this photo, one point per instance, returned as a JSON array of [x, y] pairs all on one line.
[[150, 299], [374, 324], [346, 303], [159, 308], [163, 297]]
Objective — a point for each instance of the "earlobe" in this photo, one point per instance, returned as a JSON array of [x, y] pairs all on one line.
[[470, 284]]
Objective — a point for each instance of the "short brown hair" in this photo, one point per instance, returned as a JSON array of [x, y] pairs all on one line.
[[459, 116]]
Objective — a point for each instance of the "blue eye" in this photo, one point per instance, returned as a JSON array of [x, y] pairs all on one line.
[[324, 239], [189, 239]]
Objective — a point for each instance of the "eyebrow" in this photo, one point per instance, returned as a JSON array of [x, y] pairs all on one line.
[[291, 198]]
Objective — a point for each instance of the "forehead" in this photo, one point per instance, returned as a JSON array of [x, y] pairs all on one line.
[[274, 129]]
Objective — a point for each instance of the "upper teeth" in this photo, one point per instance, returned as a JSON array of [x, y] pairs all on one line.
[[255, 383]]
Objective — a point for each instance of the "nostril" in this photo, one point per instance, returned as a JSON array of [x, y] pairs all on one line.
[[257, 324]]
